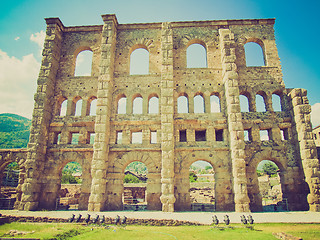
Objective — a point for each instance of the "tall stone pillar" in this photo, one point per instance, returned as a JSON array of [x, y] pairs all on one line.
[[235, 126], [303, 134], [167, 140], [42, 114], [98, 195]]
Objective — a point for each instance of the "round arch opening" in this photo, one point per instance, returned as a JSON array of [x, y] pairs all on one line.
[[70, 193], [135, 179], [9, 185], [269, 188], [202, 186]]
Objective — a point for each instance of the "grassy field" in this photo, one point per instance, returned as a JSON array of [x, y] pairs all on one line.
[[61, 231]]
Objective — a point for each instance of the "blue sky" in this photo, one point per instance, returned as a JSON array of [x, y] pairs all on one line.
[[22, 28]]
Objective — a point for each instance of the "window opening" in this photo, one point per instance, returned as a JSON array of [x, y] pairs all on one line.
[[183, 104], [196, 56], [57, 137], [198, 102], [247, 135], [93, 107], [264, 135], [182, 135], [63, 109], [122, 105], [91, 138], [276, 103], [139, 62], [136, 137], [137, 105], [78, 108], [244, 103], [154, 105], [200, 135], [75, 138], [84, 63], [153, 137], [254, 55], [215, 104], [219, 135], [119, 137], [260, 104], [284, 134]]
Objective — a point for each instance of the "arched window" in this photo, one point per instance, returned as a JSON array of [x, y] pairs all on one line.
[[153, 105], [244, 103], [183, 104], [137, 105], [254, 54], [139, 62], [215, 104], [198, 103], [63, 108], [93, 107], [84, 63], [276, 102], [122, 105], [78, 108], [260, 104], [196, 56]]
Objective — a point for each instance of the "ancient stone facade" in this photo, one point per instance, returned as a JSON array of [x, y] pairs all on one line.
[[217, 137]]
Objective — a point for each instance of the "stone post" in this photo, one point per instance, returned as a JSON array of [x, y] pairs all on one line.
[[303, 134], [167, 108], [235, 126], [42, 114], [98, 196]]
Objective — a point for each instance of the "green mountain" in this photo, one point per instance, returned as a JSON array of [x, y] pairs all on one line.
[[14, 131]]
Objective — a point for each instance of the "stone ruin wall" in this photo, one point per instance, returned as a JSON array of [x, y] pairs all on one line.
[[226, 76]]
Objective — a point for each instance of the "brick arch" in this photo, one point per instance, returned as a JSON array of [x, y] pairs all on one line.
[[144, 43], [191, 38], [81, 49], [184, 162], [130, 157], [278, 157]]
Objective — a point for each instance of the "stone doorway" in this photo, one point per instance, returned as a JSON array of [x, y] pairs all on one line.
[[9, 183], [134, 197], [70, 191], [202, 186]]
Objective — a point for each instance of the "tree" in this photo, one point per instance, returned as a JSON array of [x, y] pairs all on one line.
[[270, 168], [192, 177], [128, 178]]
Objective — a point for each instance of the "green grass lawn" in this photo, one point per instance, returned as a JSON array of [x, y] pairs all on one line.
[[237, 231]]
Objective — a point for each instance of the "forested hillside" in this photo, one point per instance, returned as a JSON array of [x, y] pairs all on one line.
[[14, 131]]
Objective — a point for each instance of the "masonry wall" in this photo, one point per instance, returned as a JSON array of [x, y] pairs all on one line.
[[226, 76]]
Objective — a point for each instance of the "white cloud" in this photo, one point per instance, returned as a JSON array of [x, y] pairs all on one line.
[[38, 38], [18, 80], [315, 114], [17, 38]]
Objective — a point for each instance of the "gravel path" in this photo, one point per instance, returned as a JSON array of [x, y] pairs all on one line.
[[200, 217]]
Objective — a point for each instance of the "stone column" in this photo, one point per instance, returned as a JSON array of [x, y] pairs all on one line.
[[235, 126], [167, 141], [42, 114], [98, 196], [303, 135]]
